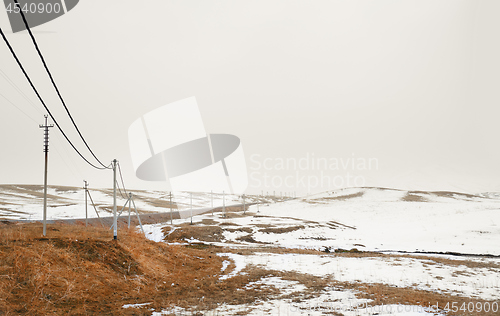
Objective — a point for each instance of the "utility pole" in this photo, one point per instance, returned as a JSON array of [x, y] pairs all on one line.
[[171, 209], [115, 218], [86, 214], [224, 203], [191, 208], [129, 207], [130, 201], [46, 127], [244, 207]]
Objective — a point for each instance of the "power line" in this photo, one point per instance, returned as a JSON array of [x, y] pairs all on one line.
[[9, 81], [119, 190], [57, 151], [123, 183], [54, 83], [28, 100], [67, 155], [41, 100], [9, 101], [121, 177], [65, 162]]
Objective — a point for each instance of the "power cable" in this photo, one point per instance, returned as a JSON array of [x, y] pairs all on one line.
[[9, 101], [54, 83], [9, 81], [31, 118], [67, 154], [119, 190], [121, 177], [41, 100]]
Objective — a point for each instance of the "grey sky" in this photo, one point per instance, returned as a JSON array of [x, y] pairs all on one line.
[[413, 84]]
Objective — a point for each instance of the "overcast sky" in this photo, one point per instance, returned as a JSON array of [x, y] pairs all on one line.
[[412, 85]]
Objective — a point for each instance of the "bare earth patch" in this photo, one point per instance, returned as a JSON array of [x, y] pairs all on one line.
[[281, 230], [413, 198], [203, 233]]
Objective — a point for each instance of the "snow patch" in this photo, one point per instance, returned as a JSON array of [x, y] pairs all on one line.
[[239, 261], [135, 305], [154, 232]]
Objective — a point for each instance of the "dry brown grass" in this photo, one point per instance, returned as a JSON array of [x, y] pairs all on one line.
[[268, 249], [446, 194], [345, 197], [82, 271], [382, 294], [327, 199], [281, 230], [335, 225], [249, 238], [458, 262], [247, 230], [413, 198], [228, 224], [16, 191], [202, 233], [233, 212], [263, 225], [208, 221]]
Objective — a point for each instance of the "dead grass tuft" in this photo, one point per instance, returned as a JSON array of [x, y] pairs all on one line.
[[281, 230], [208, 221], [228, 224], [202, 233], [345, 197], [248, 230], [413, 198], [249, 238]]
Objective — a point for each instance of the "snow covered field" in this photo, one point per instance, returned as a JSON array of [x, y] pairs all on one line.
[[394, 223], [25, 202], [383, 219], [435, 244], [369, 220]]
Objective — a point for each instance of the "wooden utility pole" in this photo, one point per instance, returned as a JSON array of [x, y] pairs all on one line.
[[46, 127]]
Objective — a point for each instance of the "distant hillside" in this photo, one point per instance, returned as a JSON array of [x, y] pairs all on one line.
[[25, 202], [395, 195]]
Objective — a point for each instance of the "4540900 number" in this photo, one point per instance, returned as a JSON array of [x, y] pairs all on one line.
[[34, 8], [471, 307]]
